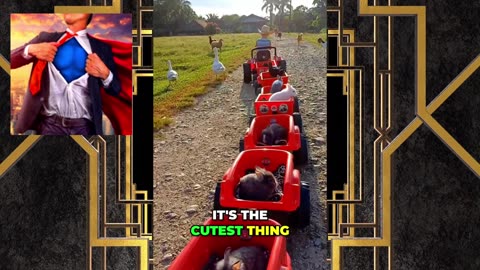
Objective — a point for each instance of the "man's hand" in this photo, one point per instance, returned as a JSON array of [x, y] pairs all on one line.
[[95, 67], [43, 51]]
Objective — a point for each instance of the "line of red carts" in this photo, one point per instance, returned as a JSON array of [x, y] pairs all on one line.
[[293, 208]]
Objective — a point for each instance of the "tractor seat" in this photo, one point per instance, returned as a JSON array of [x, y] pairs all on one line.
[[263, 55]]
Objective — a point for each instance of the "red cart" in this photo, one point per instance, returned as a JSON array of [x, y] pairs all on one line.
[[263, 106], [293, 207], [196, 254], [296, 143]]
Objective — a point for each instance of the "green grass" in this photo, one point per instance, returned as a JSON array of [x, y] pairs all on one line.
[[192, 58], [311, 37]]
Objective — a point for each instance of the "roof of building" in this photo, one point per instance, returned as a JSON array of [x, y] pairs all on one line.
[[252, 18]]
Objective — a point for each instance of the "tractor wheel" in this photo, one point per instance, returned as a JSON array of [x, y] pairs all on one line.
[[296, 106], [283, 65], [241, 145], [301, 217], [216, 198], [301, 155], [297, 120], [247, 73]]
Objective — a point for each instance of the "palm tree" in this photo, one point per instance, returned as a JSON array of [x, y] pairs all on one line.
[[173, 13], [281, 5], [211, 17], [269, 6]]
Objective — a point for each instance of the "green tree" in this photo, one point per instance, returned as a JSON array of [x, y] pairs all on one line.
[[319, 11], [282, 6], [171, 14], [269, 6], [230, 23], [299, 19], [213, 18]]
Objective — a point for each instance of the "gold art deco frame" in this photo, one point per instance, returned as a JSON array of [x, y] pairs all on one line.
[[384, 146], [136, 222]]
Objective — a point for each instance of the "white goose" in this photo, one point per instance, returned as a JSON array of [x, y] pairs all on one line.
[[172, 75], [217, 67]]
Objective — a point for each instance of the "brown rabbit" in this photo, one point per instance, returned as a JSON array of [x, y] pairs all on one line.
[[259, 186]]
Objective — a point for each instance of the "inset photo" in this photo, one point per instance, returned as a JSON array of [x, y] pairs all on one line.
[[71, 74]]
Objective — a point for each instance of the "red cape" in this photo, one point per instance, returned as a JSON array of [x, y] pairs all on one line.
[[118, 109]]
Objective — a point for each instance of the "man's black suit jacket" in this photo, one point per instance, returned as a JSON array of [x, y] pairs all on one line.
[[29, 115]]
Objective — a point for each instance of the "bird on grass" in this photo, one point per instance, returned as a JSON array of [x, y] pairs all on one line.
[[217, 67], [321, 41], [172, 75], [299, 39]]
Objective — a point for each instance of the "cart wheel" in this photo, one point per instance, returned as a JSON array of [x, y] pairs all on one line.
[[247, 73], [296, 106], [283, 65], [297, 120], [301, 217], [241, 145], [216, 198], [301, 155]]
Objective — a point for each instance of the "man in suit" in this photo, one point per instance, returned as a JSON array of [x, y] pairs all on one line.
[[63, 97]]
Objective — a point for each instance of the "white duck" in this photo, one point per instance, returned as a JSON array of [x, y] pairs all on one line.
[[217, 67], [172, 75], [277, 85], [285, 94]]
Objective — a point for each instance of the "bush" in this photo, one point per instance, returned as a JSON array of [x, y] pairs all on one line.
[[212, 28]]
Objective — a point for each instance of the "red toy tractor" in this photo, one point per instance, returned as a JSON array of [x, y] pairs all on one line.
[[259, 62], [293, 207], [296, 143], [196, 255], [263, 106]]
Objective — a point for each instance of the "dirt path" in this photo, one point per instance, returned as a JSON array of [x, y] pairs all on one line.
[[203, 143]]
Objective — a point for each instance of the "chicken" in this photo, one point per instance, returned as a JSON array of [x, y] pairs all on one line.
[[243, 258], [211, 40], [299, 38], [285, 94], [217, 44], [321, 41]]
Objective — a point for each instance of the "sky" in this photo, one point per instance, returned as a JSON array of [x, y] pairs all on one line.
[[25, 27], [240, 7]]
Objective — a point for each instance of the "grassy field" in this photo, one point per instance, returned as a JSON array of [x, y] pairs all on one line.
[[192, 58], [311, 38]]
